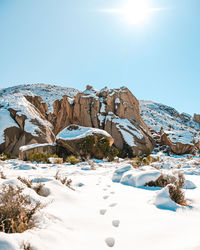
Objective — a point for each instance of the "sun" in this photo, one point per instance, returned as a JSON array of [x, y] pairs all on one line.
[[134, 11]]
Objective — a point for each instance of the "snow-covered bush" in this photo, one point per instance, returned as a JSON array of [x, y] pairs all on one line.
[[16, 210]]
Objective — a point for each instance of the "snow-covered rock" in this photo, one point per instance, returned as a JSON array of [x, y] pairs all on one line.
[[139, 179]]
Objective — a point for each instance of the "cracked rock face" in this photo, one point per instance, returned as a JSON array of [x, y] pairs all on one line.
[[37, 120]]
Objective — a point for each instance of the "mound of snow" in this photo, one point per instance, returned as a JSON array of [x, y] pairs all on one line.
[[189, 185], [163, 200], [140, 179], [117, 175]]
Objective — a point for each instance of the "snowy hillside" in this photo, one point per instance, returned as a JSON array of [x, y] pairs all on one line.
[[179, 127], [100, 211], [49, 93], [35, 123]]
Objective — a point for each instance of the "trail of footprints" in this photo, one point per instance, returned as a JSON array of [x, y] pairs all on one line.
[[110, 241]]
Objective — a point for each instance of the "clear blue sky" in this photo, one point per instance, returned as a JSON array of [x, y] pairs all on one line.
[[74, 43]]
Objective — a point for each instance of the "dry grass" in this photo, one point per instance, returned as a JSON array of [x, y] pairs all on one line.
[[38, 187], [2, 175], [177, 195], [65, 181], [16, 210], [177, 179], [26, 246]]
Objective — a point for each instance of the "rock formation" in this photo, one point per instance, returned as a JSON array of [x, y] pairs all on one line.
[[178, 131], [38, 119]]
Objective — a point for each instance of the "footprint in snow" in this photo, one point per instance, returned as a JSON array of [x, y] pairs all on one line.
[[112, 192], [112, 204], [108, 186], [105, 197], [110, 241], [115, 223], [103, 211], [105, 189]]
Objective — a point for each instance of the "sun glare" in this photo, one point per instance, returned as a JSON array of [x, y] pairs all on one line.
[[134, 11]]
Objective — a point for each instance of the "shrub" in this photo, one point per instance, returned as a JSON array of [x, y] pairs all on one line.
[[6, 156], [26, 246], [16, 210], [177, 179], [2, 175], [87, 144], [142, 161], [72, 159], [65, 181], [99, 147], [38, 188], [41, 157], [177, 195]]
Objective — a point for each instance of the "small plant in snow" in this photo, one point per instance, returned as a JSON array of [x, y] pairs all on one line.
[[65, 181], [72, 159], [2, 175], [16, 210], [177, 195], [38, 187], [176, 179]]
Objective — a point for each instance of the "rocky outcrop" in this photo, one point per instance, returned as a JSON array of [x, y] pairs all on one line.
[[168, 127], [178, 147], [115, 111]]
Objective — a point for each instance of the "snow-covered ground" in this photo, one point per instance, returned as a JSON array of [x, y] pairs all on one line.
[[104, 211]]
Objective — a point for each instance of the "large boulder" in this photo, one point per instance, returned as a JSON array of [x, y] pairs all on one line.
[[26, 151], [178, 145], [83, 141]]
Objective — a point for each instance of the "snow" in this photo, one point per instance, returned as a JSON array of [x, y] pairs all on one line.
[[103, 108], [79, 133], [163, 200], [117, 101], [179, 127], [127, 129], [36, 145], [132, 178], [5, 122], [49, 93], [100, 213], [18, 102]]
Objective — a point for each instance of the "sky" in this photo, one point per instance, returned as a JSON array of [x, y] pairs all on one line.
[[153, 49]]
